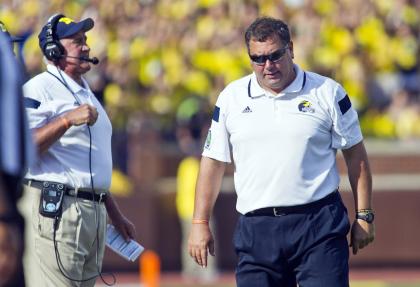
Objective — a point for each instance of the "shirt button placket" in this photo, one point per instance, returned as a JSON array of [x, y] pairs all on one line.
[[277, 112]]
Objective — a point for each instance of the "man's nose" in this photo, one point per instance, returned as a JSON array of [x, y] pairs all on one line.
[[268, 63], [86, 47]]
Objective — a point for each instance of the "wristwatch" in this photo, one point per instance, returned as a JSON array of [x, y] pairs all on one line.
[[367, 215]]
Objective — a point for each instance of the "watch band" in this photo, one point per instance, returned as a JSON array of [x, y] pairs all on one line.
[[365, 210]]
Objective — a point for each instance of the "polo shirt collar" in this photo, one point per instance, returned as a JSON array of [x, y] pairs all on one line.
[[255, 90], [73, 85]]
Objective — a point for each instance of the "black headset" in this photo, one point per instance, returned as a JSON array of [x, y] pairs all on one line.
[[52, 49]]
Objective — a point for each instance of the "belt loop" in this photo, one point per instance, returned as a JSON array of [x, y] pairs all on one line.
[[76, 190], [102, 197], [277, 213]]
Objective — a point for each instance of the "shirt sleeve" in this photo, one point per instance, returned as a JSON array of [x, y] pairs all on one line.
[[37, 107], [217, 145], [346, 128]]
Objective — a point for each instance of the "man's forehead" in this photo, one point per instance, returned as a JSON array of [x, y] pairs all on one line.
[[273, 38], [269, 42]]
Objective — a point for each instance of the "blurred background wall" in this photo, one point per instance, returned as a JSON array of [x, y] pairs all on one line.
[[157, 55]]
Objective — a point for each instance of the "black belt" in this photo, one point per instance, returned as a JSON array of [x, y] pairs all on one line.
[[70, 191], [283, 210]]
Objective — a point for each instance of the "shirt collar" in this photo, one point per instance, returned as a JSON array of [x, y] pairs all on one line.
[[255, 90], [69, 82]]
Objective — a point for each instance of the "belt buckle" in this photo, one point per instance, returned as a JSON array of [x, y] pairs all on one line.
[[278, 213]]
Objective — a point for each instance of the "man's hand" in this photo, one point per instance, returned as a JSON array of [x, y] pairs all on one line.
[[85, 114], [48, 134], [200, 242], [10, 251], [362, 233], [125, 227], [121, 223]]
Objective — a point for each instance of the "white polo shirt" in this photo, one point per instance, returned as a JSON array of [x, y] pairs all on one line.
[[67, 160], [283, 146]]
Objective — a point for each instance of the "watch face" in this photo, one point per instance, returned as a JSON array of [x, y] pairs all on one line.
[[368, 217]]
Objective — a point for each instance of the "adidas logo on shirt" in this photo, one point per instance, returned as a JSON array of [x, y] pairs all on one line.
[[247, 110]]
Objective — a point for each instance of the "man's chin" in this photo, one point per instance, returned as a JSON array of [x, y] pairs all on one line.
[[274, 85], [273, 82], [85, 67]]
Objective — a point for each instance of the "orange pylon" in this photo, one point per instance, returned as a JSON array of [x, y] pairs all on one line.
[[149, 269]]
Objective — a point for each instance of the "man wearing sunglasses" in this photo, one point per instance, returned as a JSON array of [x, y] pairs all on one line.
[[283, 126]]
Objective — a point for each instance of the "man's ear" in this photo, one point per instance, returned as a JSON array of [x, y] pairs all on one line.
[[292, 54]]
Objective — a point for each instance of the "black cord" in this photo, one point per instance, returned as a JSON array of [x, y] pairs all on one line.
[[57, 254], [97, 217], [57, 219], [58, 259]]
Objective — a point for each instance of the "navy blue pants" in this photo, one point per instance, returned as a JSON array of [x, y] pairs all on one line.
[[307, 246]]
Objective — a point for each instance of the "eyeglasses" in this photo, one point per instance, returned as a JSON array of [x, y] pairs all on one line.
[[273, 57]]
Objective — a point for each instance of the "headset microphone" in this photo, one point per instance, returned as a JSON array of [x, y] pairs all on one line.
[[93, 60]]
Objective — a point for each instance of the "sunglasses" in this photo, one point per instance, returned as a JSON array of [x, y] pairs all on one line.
[[273, 57]]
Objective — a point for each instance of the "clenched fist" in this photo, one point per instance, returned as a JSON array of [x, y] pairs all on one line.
[[85, 114]]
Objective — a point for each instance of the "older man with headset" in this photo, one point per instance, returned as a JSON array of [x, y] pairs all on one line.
[[68, 187]]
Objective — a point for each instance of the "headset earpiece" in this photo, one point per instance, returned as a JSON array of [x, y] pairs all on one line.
[[53, 50]]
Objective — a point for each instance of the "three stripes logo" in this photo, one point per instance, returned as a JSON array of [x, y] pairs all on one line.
[[247, 110]]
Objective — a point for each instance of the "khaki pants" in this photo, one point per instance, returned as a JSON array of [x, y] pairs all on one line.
[[80, 239]]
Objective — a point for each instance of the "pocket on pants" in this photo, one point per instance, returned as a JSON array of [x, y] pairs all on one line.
[[339, 219], [67, 226], [243, 238], [43, 226]]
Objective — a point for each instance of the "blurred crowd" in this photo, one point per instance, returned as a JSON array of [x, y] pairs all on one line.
[[155, 54]]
